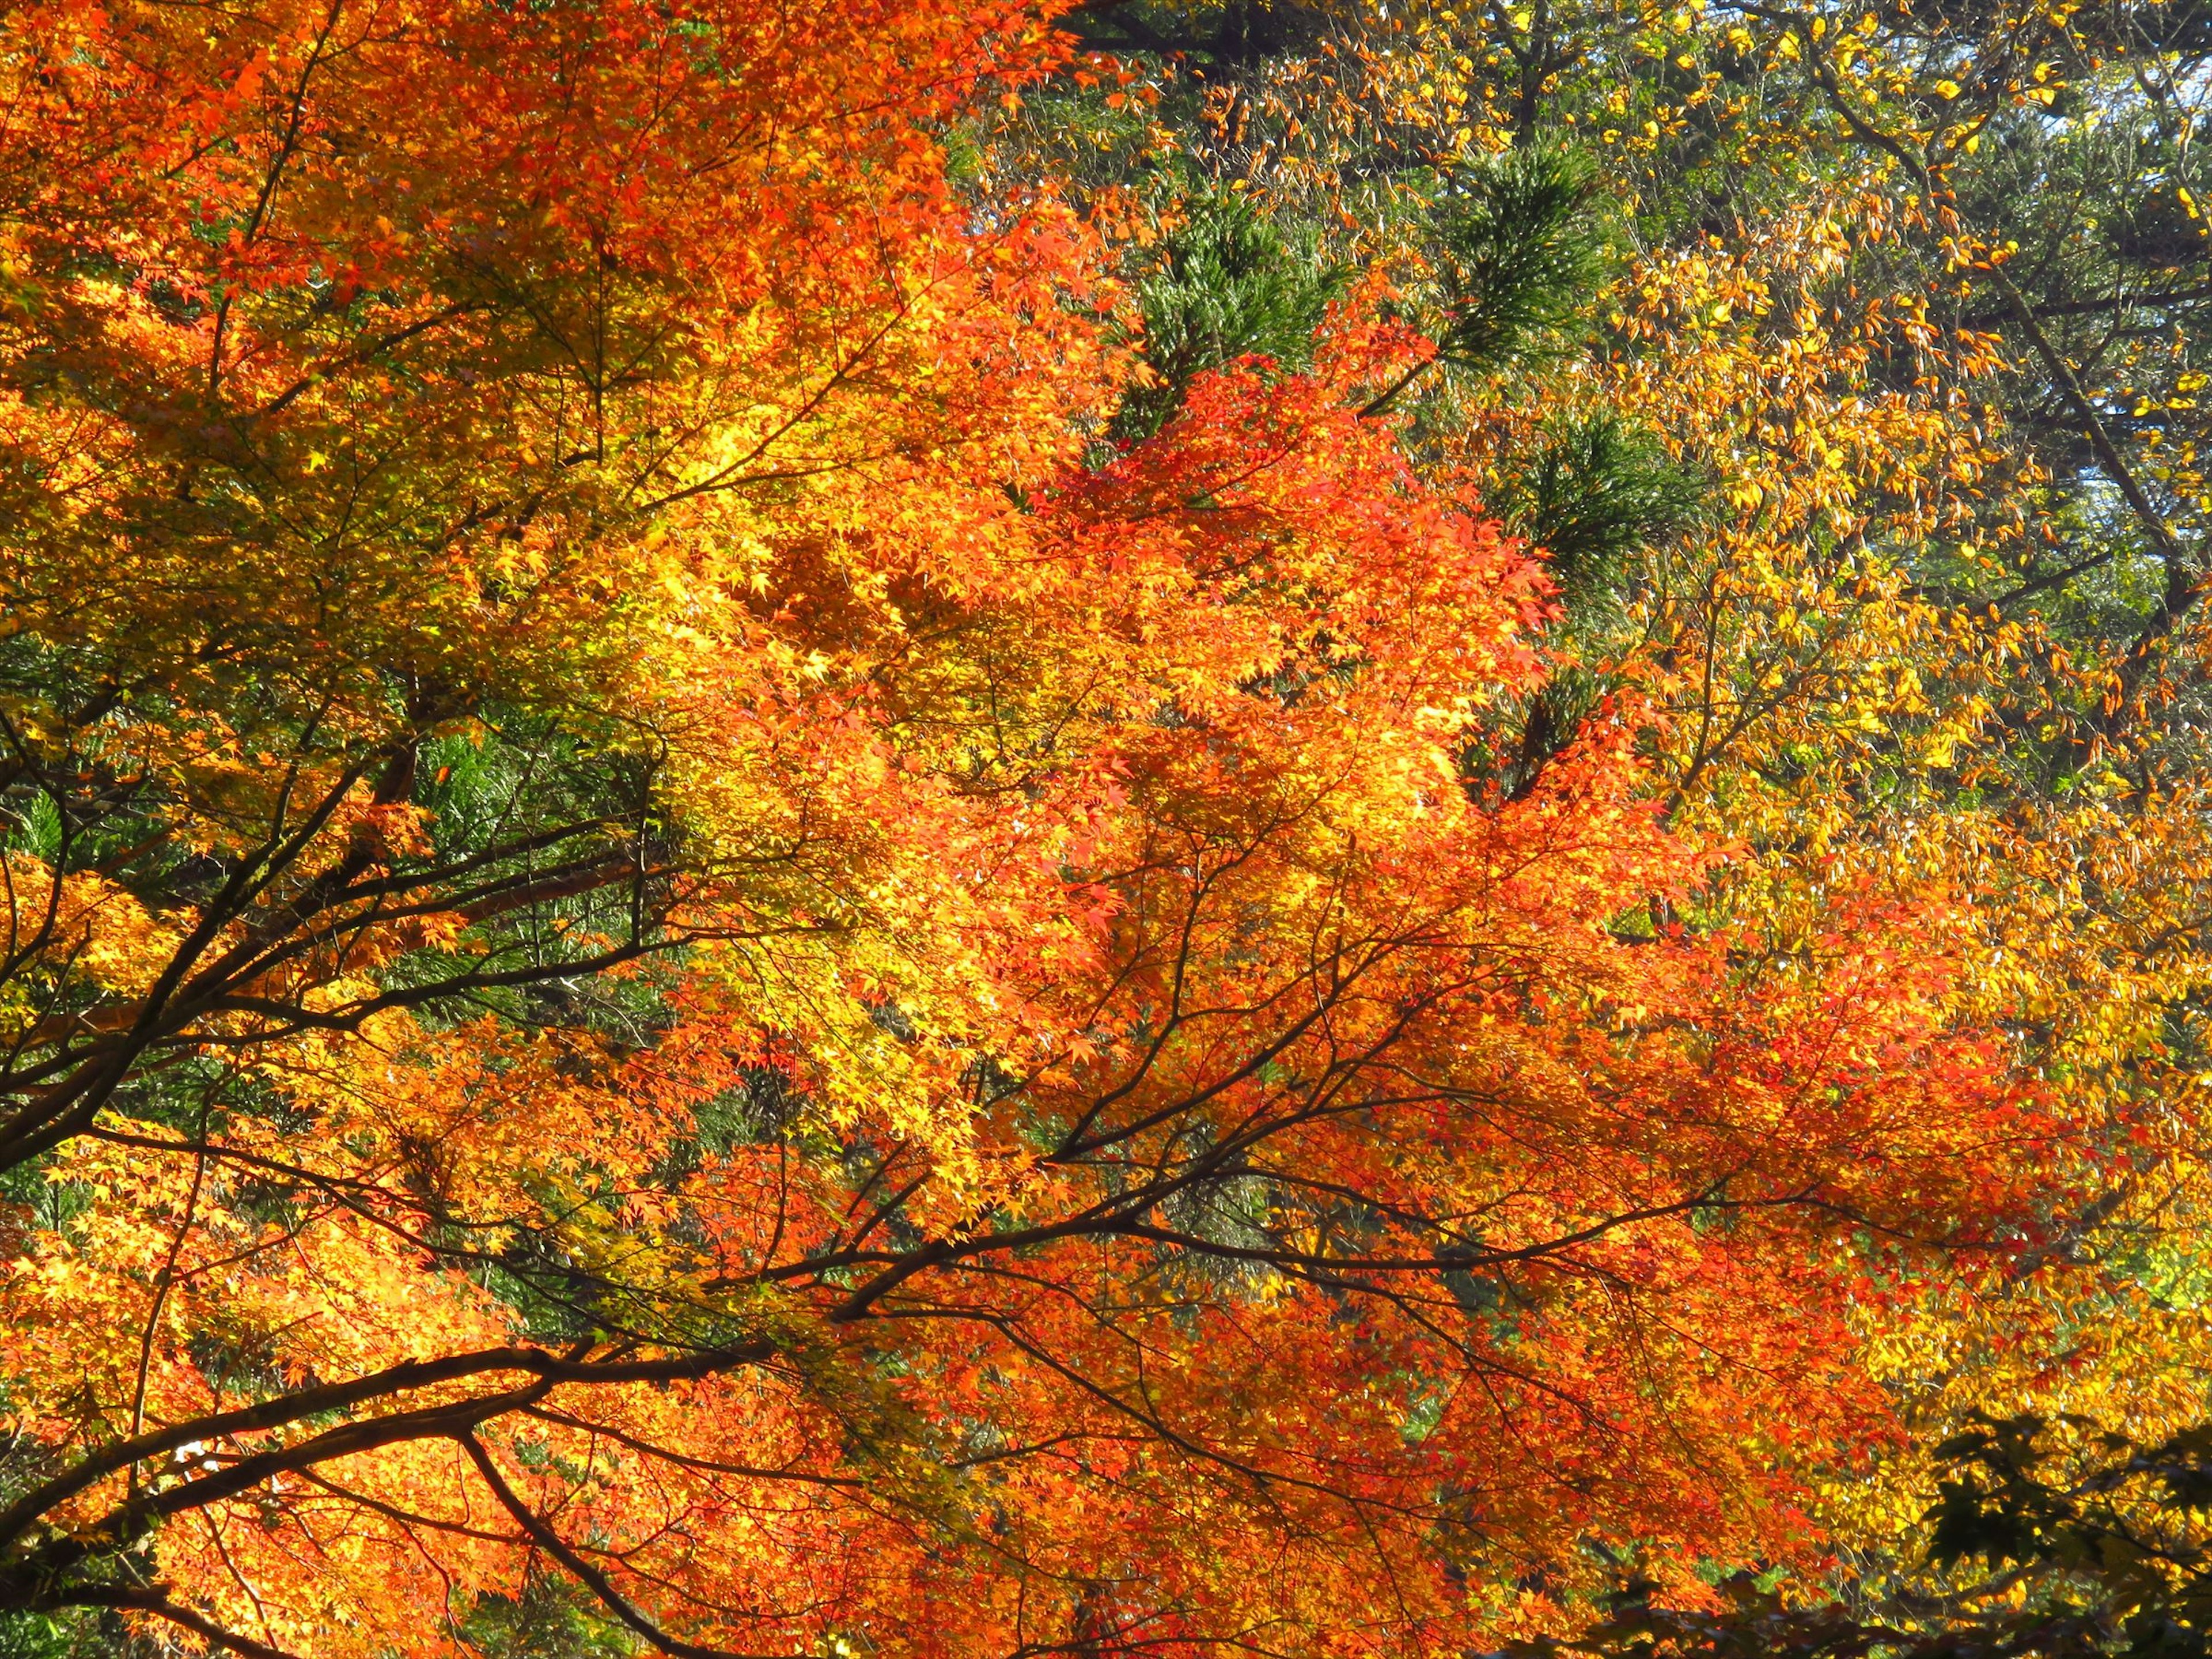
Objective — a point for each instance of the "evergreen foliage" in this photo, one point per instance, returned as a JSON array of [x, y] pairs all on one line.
[[1518, 253], [1595, 492], [1230, 283], [2049, 1541]]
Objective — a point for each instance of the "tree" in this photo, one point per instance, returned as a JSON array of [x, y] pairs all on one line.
[[1889, 389], [679, 959]]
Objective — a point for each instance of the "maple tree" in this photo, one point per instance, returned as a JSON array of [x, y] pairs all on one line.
[[755, 907], [1911, 296]]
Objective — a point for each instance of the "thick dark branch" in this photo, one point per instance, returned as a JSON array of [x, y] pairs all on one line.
[[589, 1576], [545, 1365], [148, 1599], [2107, 304]]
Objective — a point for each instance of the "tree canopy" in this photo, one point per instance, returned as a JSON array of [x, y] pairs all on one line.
[[1301, 828]]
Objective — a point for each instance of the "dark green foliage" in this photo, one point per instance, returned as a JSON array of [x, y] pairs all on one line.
[[98, 1633], [1594, 493], [2047, 1541], [1230, 283], [549, 1619], [45, 1636], [1518, 252]]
